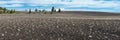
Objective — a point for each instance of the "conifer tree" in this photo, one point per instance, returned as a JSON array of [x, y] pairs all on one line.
[[4, 10], [43, 10], [11, 11], [59, 10], [30, 11], [39, 10], [0, 12], [14, 11], [36, 10], [52, 10]]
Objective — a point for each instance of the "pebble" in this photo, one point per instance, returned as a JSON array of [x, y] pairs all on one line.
[[57, 26], [3, 34], [90, 36], [73, 24], [20, 39], [18, 29], [5, 31]]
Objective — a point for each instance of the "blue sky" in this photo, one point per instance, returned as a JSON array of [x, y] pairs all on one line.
[[68, 5]]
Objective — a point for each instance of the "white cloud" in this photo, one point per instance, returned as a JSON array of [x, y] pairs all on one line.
[[74, 3], [88, 3], [78, 3], [11, 2], [12, 5]]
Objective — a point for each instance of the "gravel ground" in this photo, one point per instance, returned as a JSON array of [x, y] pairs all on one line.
[[58, 27]]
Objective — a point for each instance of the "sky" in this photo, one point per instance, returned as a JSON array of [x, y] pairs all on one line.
[[66, 5]]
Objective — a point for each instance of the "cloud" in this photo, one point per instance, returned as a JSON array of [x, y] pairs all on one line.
[[11, 2], [71, 3], [78, 3], [65, 4], [12, 5]]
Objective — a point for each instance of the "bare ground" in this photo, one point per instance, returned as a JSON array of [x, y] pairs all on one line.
[[59, 27]]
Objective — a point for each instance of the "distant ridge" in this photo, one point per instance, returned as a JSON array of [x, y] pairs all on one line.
[[91, 12], [94, 13]]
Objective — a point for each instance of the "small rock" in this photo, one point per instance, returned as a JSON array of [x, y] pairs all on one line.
[[20, 39], [5, 31], [90, 36], [17, 34], [60, 38], [73, 24], [12, 34], [57, 26], [18, 29], [3, 34], [106, 37], [66, 25]]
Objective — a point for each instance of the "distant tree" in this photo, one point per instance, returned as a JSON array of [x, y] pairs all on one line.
[[14, 11], [0, 12], [36, 10], [1, 8], [52, 10], [11, 11], [4, 10], [39, 10], [8, 11], [30, 11], [43, 10], [59, 10]]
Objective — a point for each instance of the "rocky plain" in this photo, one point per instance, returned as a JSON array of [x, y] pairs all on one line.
[[60, 26]]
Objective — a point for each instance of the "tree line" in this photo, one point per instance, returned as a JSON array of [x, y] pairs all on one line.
[[5, 10], [53, 10]]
